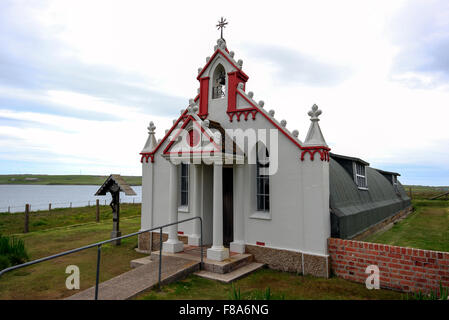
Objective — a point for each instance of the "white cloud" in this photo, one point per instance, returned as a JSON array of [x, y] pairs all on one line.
[[366, 112]]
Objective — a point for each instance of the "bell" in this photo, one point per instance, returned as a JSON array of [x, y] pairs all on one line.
[[222, 79]]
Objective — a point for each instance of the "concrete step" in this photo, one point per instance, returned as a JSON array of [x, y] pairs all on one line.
[[234, 262], [231, 276]]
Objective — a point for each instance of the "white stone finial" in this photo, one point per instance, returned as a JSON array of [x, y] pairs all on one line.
[[314, 113], [241, 85], [215, 48], [207, 59], [284, 123], [295, 133], [232, 54], [150, 144], [198, 90], [240, 63], [166, 131], [174, 121], [206, 123], [314, 135], [151, 128], [221, 43], [261, 103], [199, 70], [192, 108], [251, 94], [271, 112]]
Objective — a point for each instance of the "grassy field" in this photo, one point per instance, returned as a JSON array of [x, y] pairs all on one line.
[[63, 179], [426, 228], [283, 285], [47, 280], [44, 220], [425, 192]]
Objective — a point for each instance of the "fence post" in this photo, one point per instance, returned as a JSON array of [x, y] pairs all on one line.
[[98, 211], [27, 218], [49, 207], [410, 192], [88, 203], [9, 209], [160, 258], [70, 205]]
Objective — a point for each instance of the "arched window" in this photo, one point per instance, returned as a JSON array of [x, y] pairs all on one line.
[[184, 185], [219, 82], [262, 178]]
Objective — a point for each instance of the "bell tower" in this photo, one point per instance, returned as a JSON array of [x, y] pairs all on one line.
[[220, 78]]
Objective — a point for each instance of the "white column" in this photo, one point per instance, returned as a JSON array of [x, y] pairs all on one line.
[[194, 238], [173, 245], [218, 252], [238, 245]]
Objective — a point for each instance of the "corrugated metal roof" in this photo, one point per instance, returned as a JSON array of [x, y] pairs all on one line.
[[354, 210], [117, 179]]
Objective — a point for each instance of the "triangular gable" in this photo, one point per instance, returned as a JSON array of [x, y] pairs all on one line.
[[208, 142], [227, 57]]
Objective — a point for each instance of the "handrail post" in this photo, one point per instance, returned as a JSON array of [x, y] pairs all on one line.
[[201, 242], [160, 256], [98, 271]]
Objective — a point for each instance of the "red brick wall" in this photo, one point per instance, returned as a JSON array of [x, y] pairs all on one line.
[[404, 269]]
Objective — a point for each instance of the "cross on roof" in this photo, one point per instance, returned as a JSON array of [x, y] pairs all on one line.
[[221, 25]]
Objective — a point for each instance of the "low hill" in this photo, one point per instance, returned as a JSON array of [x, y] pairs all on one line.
[[62, 179]]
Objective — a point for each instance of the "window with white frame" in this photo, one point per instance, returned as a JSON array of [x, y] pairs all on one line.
[[360, 175], [262, 179], [394, 180], [184, 186]]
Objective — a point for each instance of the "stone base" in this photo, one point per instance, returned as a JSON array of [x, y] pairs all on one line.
[[194, 240], [238, 247], [172, 246], [218, 253], [291, 261]]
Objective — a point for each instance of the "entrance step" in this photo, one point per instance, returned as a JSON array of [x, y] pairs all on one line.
[[235, 261], [231, 276]]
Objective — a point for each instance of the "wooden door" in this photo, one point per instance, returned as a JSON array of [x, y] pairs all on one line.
[[228, 206]]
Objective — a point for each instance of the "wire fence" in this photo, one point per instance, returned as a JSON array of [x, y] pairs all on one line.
[[48, 206]]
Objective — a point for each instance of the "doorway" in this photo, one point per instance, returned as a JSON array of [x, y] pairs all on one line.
[[228, 206]]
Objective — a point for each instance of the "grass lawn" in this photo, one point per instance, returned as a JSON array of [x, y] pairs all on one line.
[[12, 223], [62, 179], [426, 228], [47, 280], [425, 192], [282, 285]]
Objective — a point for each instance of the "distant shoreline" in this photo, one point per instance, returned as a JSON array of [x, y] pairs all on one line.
[[81, 180]]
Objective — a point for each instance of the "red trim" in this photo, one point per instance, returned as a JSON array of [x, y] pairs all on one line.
[[190, 118], [323, 151], [234, 78], [260, 243], [204, 96], [224, 56], [152, 153], [180, 232], [246, 112]]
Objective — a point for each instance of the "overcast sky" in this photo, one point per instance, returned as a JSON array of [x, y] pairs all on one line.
[[80, 80]]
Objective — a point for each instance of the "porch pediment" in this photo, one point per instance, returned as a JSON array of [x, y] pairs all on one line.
[[205, 139]]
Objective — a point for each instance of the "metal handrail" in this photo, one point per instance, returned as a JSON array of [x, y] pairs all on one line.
[[99, 244]]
